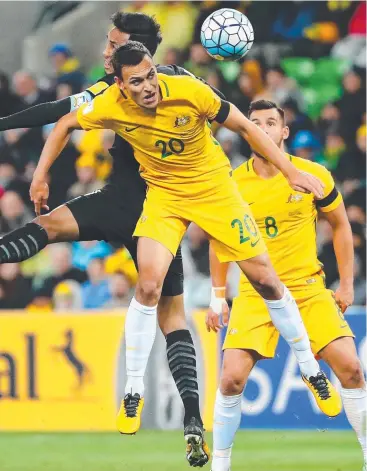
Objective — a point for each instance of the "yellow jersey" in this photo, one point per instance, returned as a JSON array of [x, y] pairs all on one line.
[[173, 143], [287, 219]]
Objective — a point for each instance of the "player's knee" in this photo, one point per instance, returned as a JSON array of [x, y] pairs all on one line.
[[50, 225], [268, 286], [231, 384], [148, 291], [352, 375]]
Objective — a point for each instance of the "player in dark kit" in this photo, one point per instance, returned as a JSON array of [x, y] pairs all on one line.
[[111, 214]]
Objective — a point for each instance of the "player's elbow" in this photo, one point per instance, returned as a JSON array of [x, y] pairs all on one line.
[[67, 124]]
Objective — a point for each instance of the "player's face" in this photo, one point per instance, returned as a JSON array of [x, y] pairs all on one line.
[[141, 82], [115, 39], [271, 122]]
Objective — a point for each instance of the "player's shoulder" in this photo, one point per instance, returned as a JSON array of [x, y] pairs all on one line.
[[101, 85], [111, 93], [173, 70], [308, 166], [243, 171], [180, 84], [177, 79]]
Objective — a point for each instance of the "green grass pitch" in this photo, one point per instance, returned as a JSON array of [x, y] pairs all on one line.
[[164, 451]]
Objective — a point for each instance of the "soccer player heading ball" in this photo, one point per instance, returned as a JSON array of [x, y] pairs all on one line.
[[189, 180]]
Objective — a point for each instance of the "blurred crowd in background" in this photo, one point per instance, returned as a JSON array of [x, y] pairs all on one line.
[[309, 57]]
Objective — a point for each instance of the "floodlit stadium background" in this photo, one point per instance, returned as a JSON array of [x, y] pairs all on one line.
[[310, 57]]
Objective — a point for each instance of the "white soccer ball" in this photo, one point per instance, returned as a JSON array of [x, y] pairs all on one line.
[[227, 34]]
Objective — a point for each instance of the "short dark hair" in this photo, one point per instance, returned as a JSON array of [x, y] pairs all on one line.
[[141, 27], [259, 105], [131, 53], [276, 68]]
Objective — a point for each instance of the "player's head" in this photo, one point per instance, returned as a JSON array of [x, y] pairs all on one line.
[[131, 27], [136, 74], [270, 118]]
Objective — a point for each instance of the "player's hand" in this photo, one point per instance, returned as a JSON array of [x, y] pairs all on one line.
[[344, 297], [306, 183], [39, 193], [218, 313]]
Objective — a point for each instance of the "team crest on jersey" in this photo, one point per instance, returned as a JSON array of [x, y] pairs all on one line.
[[182, 121], [294, 198]]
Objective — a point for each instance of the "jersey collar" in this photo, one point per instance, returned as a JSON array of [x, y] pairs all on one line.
[[163, 87], [250, 167]]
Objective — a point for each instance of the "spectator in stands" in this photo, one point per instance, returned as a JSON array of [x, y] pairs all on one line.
[[62, 270], [96, 291], [16, 289], [27, 142], [67, 296], [296, 120], [199, 63], [305, 145], [84, 252], [356, 205], [329, 120], [9, 102], [8, 172], [280, 88], [86, 171], [352, 104], [172, 56], [231, 144], [353, 46], [121, 262], [333, 150], [13, 212], [67, 68], [351, 168], [25, 86], [120, 290]]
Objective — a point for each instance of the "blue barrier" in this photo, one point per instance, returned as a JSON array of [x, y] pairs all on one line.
[[276, 397]]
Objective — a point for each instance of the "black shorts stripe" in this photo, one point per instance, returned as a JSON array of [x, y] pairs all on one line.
[[330, 198]]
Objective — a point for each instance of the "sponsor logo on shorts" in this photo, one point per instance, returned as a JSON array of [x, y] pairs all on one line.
[[232, 332], [143, 218]]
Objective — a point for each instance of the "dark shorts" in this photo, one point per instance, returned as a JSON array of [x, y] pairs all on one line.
[[108, 215]]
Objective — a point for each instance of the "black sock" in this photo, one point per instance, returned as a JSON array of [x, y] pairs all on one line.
[[181, 357], [22, 243]]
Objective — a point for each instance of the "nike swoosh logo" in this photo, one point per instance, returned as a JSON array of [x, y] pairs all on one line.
[[254, 243], [251, 203], [132, 129]]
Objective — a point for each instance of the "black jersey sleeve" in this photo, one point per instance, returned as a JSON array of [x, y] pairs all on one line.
[[52, 111], [38, 115], [173, 69]]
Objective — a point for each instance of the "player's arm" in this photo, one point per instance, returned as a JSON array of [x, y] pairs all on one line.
[[217, 315], [91, 115], [333, 209], [231, 117], [344, 252], [52, 111], [53, 147]]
